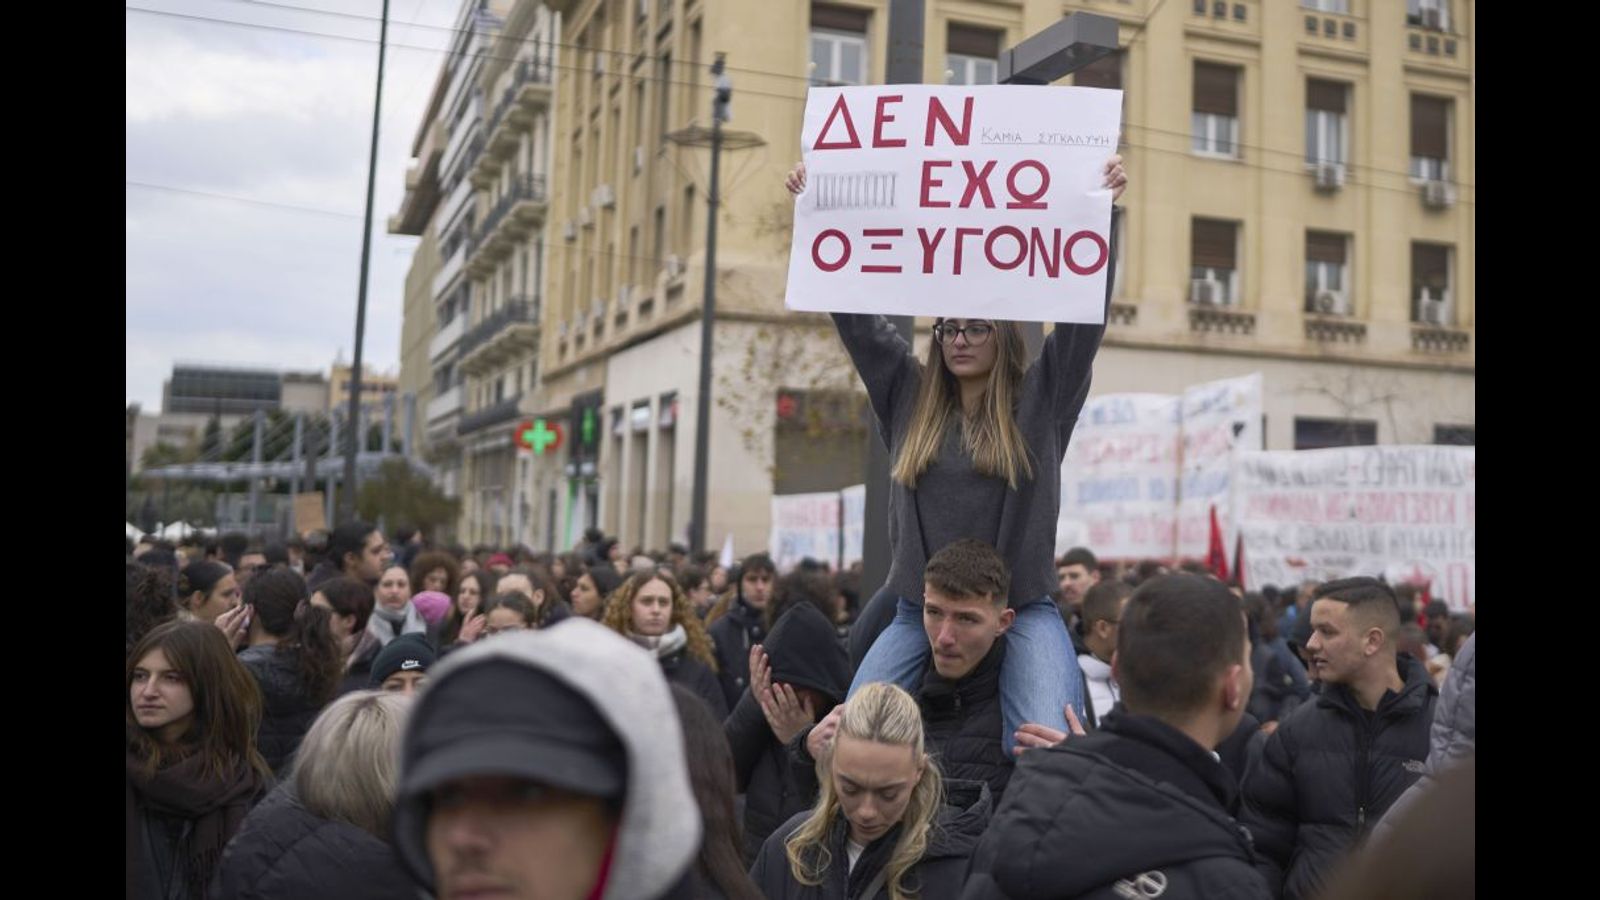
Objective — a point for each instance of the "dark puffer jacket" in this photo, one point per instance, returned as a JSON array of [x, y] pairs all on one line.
[[938, 875], [287, 709], [285, 851], [1328, 774], [805, 653], [739, 629], [1136, 809], [696, 678], [962, 723]]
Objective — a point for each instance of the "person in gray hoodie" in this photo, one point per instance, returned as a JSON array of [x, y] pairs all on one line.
[[523, 773]]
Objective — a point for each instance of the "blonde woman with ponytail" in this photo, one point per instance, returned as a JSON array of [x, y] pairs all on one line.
[[976, 436], [882, 826]]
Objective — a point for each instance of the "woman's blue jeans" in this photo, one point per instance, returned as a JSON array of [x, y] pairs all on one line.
[[1038, 677]]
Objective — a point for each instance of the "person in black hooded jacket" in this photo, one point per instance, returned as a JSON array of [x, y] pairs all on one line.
[[324, 833], [295, 658], [1335, 764], [886, 824], [741, 625], [1142, 807], [809, 675]]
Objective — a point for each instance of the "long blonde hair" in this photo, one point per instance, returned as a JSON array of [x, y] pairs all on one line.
[[619, 613], [882, 713], [990, 435], [348, 767]]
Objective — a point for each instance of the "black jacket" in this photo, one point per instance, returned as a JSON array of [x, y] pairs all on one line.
[[804, 653], [733, 635], [1328, 774], [697, 678], [285, 851], [938, 875], [1133, 807], [287, 709], [962, 723]]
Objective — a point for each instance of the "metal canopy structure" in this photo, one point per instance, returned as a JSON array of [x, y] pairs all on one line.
[[367, 465]]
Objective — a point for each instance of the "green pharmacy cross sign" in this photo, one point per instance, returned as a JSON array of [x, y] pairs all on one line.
[[540, 436]]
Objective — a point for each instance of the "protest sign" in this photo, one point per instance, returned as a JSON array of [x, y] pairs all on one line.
[[1119, 481], [805, 525], [1321, 514], [969, 201], [854, 521], [1219, 418]]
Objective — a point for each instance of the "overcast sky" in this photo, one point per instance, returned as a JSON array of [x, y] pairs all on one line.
[[246, 174]]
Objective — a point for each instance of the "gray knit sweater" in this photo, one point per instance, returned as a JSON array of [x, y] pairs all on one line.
[[951, 500]]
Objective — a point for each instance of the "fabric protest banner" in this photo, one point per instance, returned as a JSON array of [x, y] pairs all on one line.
[[1320, 514], [805, 525], [973, 201], [1219, 419], [1119, 482]]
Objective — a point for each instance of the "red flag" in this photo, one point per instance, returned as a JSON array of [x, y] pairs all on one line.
[[1217, 556], [1238, 559]]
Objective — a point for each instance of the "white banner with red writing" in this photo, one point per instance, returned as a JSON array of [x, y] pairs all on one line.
[[968, 201], [1405, 512]]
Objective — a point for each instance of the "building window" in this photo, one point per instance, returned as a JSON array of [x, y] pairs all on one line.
[[971, 55], [838, 45], [1105, 72], [1432, 14], [1430, 284], [1430, 138], [1325, 122], [1319, 434], [1213, 250], [1457, 435], [1342, 7], [1327, 276], [1215, 124]]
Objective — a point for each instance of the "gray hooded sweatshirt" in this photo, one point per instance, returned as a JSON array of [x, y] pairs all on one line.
[[658, 836]]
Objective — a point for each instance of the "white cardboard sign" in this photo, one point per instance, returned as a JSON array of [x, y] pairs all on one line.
[[970, 201]]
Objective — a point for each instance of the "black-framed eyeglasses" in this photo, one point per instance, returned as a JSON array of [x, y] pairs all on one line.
[[977, 333]]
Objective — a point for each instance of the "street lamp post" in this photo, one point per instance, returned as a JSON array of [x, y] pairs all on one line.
[[352, 442], [717, 139]]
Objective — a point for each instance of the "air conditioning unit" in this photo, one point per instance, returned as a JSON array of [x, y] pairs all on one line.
[[638, 158], [1329, 176], [604, 197], [1437, 195], [674, 265], [624, 297], [1329, 303], [585, 217], [599, 62], [1433, 18], [1206, 292], [598, 310], [1431, 309], [570, 230]]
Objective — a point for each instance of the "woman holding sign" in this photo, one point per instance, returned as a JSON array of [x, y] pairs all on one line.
[[976, 438]]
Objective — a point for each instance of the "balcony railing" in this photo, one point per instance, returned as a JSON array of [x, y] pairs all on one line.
[[519, 310], [527, 187], [494, 414]]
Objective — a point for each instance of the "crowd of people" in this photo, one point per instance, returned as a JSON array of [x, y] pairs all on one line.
[[342, 716], [345, 717]]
